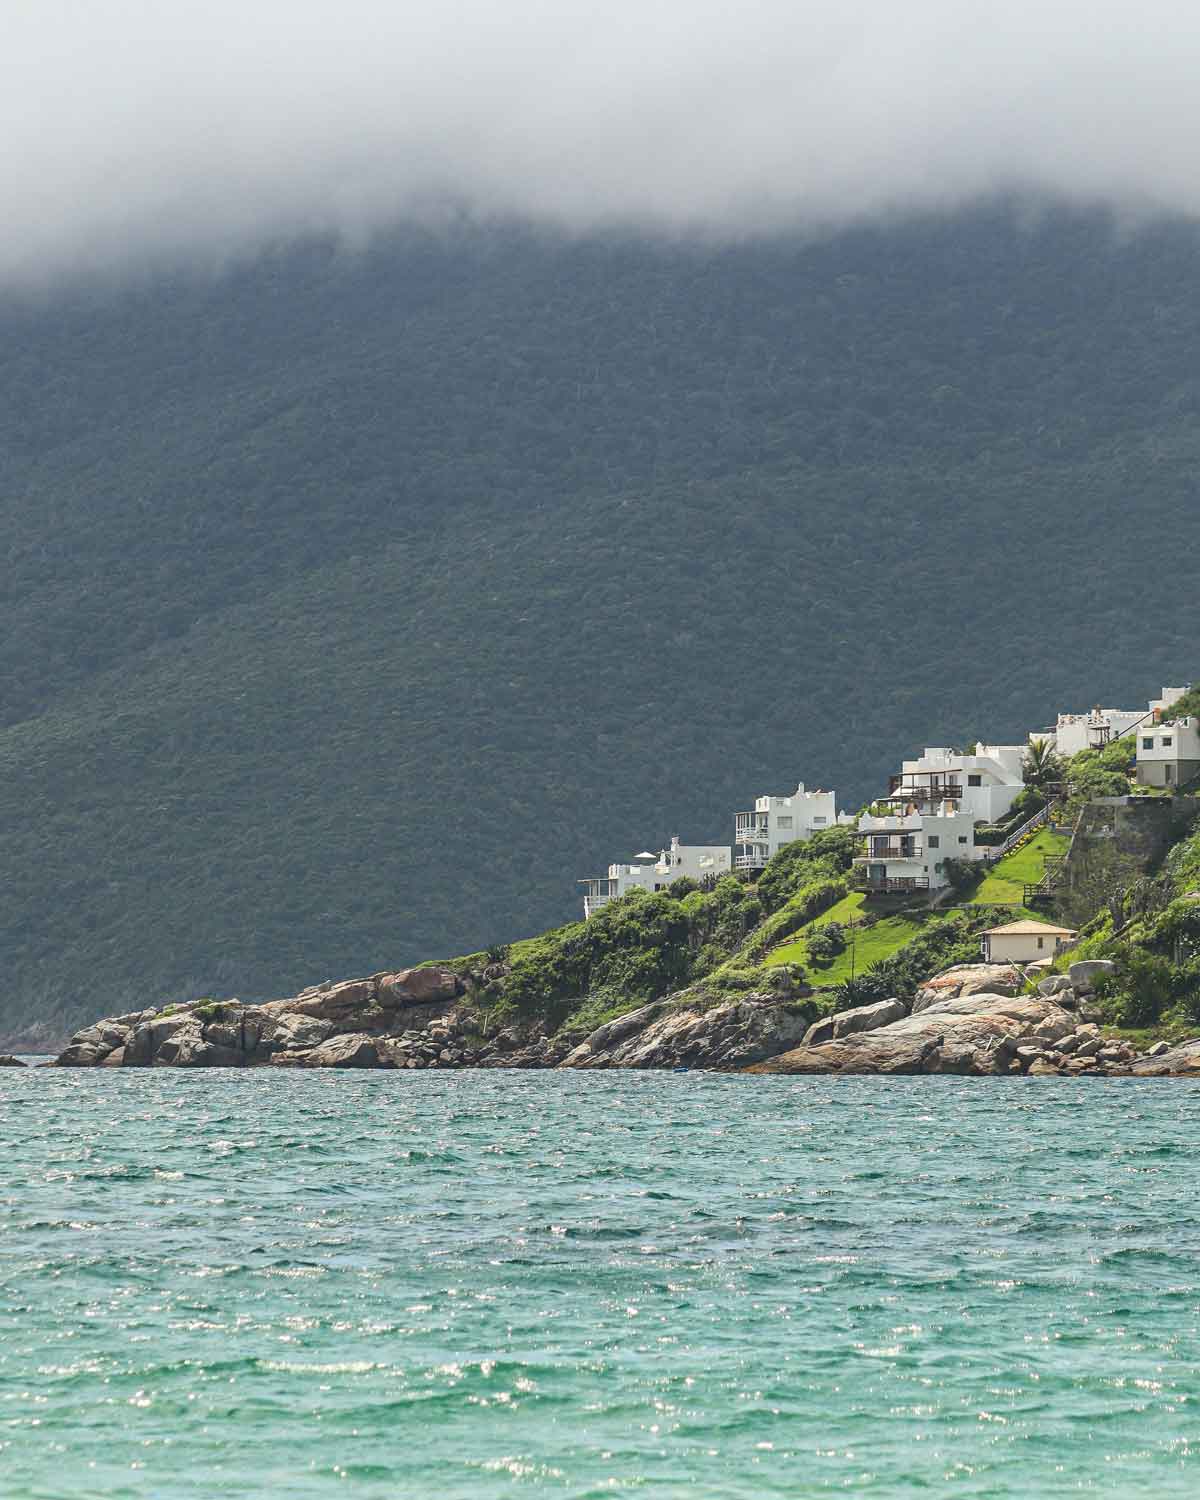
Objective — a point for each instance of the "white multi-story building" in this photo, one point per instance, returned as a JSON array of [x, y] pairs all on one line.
[[984, 784], [1168, 750], [1093, 730], [906, 851], [759, 835], [654, 872]]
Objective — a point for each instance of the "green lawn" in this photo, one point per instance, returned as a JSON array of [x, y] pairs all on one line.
[[1005, 881], [864, 946]]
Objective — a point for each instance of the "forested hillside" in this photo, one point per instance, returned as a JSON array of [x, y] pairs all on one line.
[[356, 605]]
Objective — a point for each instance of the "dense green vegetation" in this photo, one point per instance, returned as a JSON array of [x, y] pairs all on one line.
[[356, 606], [647, 945]]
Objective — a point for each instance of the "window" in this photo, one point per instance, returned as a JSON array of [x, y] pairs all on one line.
[[1041, 942], [935, 841], [1148, 743], [784, 822], [1167, 741], [818, 821], [975, 779], [962, 838]]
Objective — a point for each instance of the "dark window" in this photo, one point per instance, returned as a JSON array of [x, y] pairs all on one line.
[[1167, 742], [935, 840], [962, 838], [1148, 744], [975, 780], [1041, 942]]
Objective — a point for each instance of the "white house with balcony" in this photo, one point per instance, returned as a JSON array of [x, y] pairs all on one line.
[[775, 821], [1168, 750], [906, 851], [985, 783], [654, 872]]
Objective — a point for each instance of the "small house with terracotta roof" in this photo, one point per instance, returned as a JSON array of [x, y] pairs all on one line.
[[1025, 942]]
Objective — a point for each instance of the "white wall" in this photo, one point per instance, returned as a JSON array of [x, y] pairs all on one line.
[[1020, 947], [1168, 753], [782, 820], [996, 768], [939, 836]]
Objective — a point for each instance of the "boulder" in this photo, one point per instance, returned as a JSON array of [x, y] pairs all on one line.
[[299, 1032], [339, 1003], [847, 1022], [8, 1061], [186, 1047], [977, 1033], [968, 979], [1086, 971], [115, 1059], [1055, 984], [725, 1036], [418, 986], [349, 1051], [1158, 1049], [1043, 1067], [1182, 1061]]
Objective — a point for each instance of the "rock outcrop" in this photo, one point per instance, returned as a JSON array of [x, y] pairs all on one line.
[[969, 979], [726, 1036], [977, 1033], [8, 1061]]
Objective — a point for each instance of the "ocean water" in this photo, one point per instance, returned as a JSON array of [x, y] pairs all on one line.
[[490, 1284]]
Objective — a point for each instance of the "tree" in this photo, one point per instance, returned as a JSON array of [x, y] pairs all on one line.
[[1041, 765]]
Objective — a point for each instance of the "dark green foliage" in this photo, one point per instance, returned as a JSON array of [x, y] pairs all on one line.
[[827, 854], [825, 942], [1145, 987], [356, 606], [808, 902]]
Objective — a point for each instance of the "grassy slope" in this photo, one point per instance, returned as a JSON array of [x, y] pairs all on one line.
[[334, 624], [1005, 882]]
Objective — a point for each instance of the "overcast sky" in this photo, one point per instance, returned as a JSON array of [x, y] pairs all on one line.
[[133, 128]]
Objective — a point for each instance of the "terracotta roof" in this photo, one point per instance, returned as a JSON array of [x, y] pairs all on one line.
[[1023, 929]]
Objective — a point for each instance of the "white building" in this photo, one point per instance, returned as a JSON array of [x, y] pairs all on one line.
[[1093, 730], [1090, 731], [984, 784], [906, 851], [654, 872], [1025, 942], [1168, 750], [759, 835]]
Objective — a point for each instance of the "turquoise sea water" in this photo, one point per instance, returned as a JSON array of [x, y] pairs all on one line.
[[486, 1284]]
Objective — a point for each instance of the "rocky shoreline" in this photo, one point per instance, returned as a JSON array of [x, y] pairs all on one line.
[[974, 1019]]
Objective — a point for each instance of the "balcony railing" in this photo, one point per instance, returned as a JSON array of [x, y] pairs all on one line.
[[897, 885], [748, 827], [933, 790], [749, 861], [877, 850]]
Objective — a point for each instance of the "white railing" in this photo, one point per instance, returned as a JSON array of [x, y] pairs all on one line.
[[1000, 850], [749, 861]]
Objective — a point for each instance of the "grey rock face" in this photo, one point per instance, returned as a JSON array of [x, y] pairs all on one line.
[[730, 1035], [847, 1022], [293, 1033], [1054, 985], [1083, 975], [351, 1051]]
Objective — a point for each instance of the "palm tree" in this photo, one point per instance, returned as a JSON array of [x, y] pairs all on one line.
[[1041, 765]]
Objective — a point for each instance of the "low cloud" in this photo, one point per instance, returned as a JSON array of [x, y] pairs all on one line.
[[134, 131]]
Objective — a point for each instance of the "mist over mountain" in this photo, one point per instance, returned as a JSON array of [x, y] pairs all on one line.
[[357, 604], [200, 132]]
